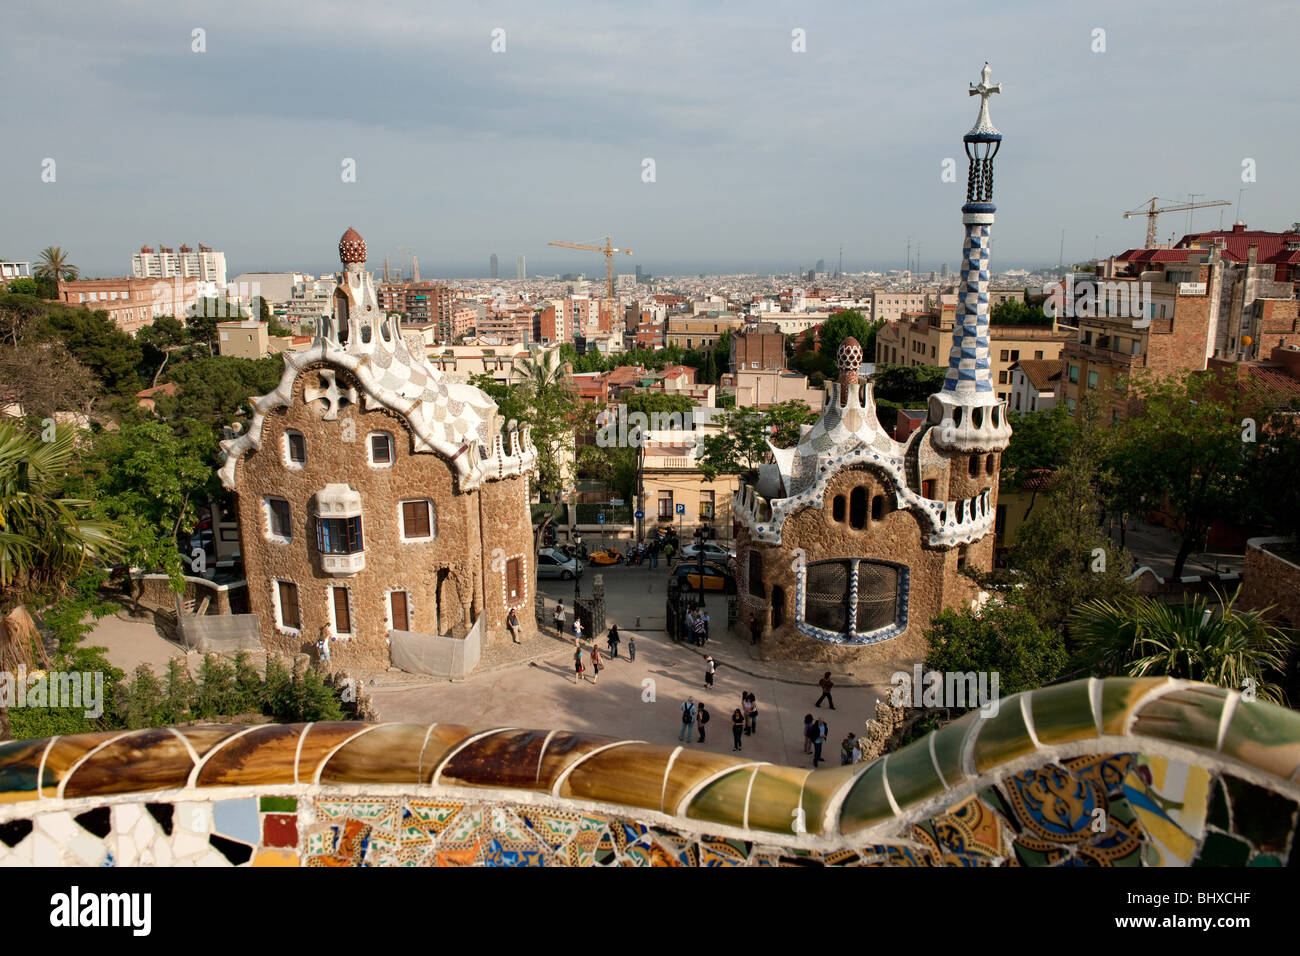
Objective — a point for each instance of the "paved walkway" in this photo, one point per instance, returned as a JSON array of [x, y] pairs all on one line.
[[132, 641]]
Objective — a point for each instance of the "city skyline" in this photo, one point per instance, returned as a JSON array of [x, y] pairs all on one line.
[[838, 156]]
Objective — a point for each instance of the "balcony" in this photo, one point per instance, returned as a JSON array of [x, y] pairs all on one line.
[[343, 564]]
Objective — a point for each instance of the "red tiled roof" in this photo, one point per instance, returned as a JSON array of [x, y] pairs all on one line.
[[1040, 372], [1237, 242]]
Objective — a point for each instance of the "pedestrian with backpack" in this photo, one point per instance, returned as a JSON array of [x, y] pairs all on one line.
[[702, 717], [688, 720], [822, 732]]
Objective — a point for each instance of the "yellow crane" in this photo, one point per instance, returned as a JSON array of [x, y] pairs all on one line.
[[1151, 212], [609, 251]]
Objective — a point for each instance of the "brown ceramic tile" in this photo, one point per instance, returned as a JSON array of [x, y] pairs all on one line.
[[562, 750], [204, 737], [390, 753], [264, 755], [507, 758], [66, 751], [442, 740], [629, 774], [322, 738], [136, 763]]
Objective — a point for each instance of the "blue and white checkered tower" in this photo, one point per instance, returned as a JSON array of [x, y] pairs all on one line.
[[967, 414]]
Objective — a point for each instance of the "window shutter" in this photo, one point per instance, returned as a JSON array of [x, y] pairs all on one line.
[[342, 612]]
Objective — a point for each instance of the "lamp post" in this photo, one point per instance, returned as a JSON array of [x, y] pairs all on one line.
[[699, 555]]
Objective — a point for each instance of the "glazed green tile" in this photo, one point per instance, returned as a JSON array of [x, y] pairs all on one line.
[[1265, 736], [775, 796], [1220, 849], [1189, 716], [1003, 737], [1119, 695], [1218, 812], [19, 762], [948, 742], [1063, 713], [911, 774], [1259, 815], [821, 789], [279, 804], [1265, 859], [867, 803], [723, 801]]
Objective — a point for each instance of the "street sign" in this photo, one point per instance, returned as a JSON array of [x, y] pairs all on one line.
[[639, 515], [616, 502], [600, 519], [681, 509]]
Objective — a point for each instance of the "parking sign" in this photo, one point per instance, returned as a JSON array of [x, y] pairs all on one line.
[[681, 509], [600, 519]]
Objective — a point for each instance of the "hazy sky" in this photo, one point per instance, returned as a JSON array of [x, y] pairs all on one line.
[[765, 158]]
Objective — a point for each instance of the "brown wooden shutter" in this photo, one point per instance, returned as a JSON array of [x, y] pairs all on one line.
[[400, 620], [415, 519], [289, 605], [342, 613], [514, 580]]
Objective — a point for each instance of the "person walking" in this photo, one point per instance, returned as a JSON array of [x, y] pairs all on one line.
[[737, 728], [702, 717], [631, 648], [754, 629], [688, 720], [808, 720], [750, 706], [821, 731], [577, 627], [577, 662], [612, 640], [654, 556], [705, 616], [699, 630], [559, 618], [826, 684], [512, 622], [596, 662], [847, 746], [709, 670]]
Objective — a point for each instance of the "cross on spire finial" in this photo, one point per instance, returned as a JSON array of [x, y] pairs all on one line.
[[985, 89]]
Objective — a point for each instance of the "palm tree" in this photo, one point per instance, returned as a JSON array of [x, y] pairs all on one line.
[[543, 370], [54, 265], [45, 541], [1194, 640]]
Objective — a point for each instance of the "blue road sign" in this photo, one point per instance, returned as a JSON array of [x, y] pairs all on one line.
[[640, 515], [681, 509], [600, 519]]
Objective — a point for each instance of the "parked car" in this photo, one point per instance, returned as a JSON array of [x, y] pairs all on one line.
[[554, 564], [606, 556], [712, 552], [716, 577]]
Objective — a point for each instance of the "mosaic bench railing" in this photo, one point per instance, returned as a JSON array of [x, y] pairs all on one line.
[[1096, 772]]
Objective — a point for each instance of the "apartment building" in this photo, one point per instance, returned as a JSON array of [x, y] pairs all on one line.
[[700, 332], [203, 264], [130, 303], [760, 346]]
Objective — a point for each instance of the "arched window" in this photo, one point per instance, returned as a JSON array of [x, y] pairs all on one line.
[[990, 463], [852, 597], [974, 465], [877, 507], [837, 508], [858, 508], [756, 586]]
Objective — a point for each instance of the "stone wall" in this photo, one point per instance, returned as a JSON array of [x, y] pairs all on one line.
[[1271, 581]]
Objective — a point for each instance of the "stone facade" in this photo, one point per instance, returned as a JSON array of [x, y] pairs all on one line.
[[1270, 581], [377, 500]]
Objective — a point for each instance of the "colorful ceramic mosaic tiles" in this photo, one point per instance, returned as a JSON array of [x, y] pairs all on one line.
[[1094, 773]]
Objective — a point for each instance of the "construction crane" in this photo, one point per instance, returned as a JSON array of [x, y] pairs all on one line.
[[1151, 212], [609, 251]]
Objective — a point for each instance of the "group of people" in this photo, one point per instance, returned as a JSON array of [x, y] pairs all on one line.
[[744, 719], [582, 655], [696, 625]]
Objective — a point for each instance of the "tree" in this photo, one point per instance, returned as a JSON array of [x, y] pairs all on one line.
[[1062, 555], [20, 316], [54, 265], [23, 286], [99, 344], [552, 410], [214, 390], [742, 443], [45, 378], [202, 318], [1040, 445], [159, 340], [1270, 501], [1139, 636], [1183, 452], [147, 481], [1016, 312], [1006, 639]]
